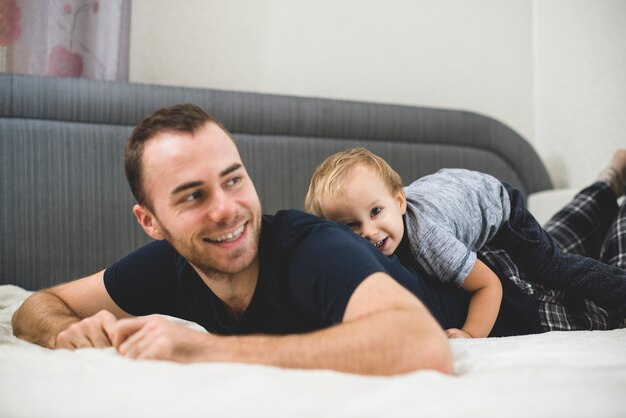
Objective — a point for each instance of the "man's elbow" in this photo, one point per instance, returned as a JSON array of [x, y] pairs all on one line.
[[17, 319], [426, 353], [416, 343], [437, 355], [16, 324], [433, 354]]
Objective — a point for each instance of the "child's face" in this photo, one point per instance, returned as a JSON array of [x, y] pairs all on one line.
[[369, 209]]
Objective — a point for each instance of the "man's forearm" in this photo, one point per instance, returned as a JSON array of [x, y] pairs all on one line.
[[385, 331], [384, 343], [40, 319]]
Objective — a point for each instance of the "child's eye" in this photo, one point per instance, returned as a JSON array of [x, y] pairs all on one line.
[[375, 212], [351, 225]]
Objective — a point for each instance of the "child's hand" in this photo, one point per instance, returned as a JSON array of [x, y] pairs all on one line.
[[457, 333]]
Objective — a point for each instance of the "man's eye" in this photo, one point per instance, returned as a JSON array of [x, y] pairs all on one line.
[[194, 196], [233, 181], [375, 212]]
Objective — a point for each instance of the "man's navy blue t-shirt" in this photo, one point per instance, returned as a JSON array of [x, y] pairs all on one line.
[[308, 270]]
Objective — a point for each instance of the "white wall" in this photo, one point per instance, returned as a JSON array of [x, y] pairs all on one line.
[[435, 53], [580, 85], [475, 55]]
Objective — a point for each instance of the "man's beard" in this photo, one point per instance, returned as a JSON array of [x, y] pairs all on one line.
[[218, 268], [208, 267]]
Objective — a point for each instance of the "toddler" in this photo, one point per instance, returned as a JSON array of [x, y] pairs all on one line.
[[450, 215]]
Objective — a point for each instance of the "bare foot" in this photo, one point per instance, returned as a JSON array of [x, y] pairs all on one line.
[[615, 173]]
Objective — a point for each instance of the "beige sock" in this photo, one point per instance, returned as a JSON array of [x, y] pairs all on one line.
[[615, 173], [613, 178]]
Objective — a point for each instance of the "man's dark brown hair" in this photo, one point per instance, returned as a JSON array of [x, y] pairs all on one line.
[[186, 118]]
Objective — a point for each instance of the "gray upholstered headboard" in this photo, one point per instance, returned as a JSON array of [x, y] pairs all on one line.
[[64, 203]]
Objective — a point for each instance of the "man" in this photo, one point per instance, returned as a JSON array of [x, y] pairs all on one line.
[[288, 290]]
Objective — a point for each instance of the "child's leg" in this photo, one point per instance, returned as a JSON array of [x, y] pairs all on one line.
[[582, 227], [557, 311], [541, 256]]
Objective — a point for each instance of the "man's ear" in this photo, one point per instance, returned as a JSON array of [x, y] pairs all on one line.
[[148, 222], [401, 199]]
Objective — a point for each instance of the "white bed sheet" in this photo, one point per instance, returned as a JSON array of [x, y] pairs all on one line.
[[568, 374]]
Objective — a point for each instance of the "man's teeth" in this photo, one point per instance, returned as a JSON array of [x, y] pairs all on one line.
[[231, 236]]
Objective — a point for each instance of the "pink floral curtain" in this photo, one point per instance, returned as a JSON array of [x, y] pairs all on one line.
[[65, 38]]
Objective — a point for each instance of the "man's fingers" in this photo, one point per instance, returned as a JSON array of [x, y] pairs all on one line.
[[150, 337], [87, 333], [71, 341], [99, 340], [107, 322], [132, 345], [135, 345], [99, 336], [125, 329]]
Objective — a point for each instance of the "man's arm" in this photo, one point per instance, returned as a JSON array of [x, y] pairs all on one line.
[[484, 306], [385, 330], [70, 315]]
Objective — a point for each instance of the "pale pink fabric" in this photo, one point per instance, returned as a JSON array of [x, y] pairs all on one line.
[[65, 38]]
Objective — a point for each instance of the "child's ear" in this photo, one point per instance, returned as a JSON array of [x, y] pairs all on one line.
[[148, 222], [401, 199]]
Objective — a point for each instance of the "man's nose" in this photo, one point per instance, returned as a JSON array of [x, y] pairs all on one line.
[[221, 208]]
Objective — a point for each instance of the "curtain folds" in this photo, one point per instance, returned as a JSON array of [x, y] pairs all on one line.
[[65, 38]]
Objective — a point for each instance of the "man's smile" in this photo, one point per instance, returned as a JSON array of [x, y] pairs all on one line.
[[227, 237]]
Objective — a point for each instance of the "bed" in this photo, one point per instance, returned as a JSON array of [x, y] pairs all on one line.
[[65, 212]]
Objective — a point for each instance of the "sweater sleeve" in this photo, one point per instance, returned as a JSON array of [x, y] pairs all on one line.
[[443, 256]]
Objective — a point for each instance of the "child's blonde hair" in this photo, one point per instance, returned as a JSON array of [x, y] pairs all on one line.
[[329, 177]]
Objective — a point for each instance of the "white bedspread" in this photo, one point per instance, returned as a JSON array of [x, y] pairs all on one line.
[[565, 374]]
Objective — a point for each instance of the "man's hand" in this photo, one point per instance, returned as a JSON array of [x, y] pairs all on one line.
[[457, 333], [68, 315], [88, 332], [386, 330], [157, 338]]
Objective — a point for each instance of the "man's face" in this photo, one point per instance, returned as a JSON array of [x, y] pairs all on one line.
[[203, 201]]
